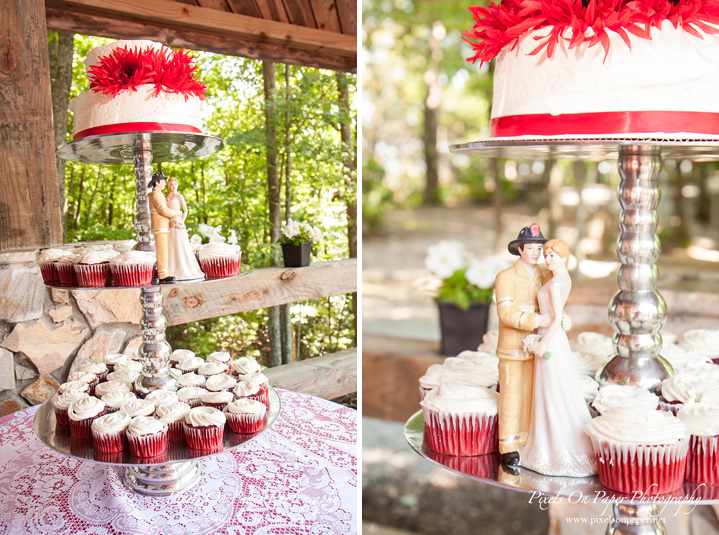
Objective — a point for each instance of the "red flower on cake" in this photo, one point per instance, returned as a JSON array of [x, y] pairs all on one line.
[[171, 71], [499, 25]]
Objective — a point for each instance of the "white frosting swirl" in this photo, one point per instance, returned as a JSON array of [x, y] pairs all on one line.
[[688, 384], [96, 257], [682, 359], [247, 388], [133, 258], [123, 374], [112, 423], [172, 412], [63, 401], [118, 398], [179, 354], [82, 376], [190, 392], [78, 386], [702, 419], [246, 406], [212, 368], [669, 338], [246, 365], [589, 387], [191, 379], [112, 386], [85, 408], [588, 363], [205, 417], [133, 365], [218, 397], [456, 369], [221, 381], [219, 356], [123, 246], [219, 250], [594, 343], [50, 255], [189, 363], [702, 341], [161, 397], [138, 407], [98, 368], [114, 359], [477, 357], [637, 426], [612, 396], [146, 425], [254, 377], [461, 398]]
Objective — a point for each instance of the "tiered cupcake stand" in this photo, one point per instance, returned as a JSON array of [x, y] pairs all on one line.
[[180, 468], [637, 312]]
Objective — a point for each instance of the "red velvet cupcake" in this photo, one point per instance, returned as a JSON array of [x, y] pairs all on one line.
[[192, 395], [86, 377], [108, 432], [61, 402], [65, 267], [245, 415], [81, 414], [702, 420], [173, 414], [639, 450], [98, 368], [204, 428], [47, 260], [92, 268], [460, 418], [252, 390], [146, 436], [218, 400], [133, 268], [220, 260]]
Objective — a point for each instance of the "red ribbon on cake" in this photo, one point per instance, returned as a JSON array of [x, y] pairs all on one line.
[[605, 123], [120, 128]]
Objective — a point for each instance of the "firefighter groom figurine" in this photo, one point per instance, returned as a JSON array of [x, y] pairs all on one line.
[[516, 296], [160, 216]]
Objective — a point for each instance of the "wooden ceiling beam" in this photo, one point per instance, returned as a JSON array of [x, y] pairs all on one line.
[[178, 17]]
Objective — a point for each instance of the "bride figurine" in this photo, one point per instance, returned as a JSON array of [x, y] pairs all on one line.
[[557, 444], [182, 263]]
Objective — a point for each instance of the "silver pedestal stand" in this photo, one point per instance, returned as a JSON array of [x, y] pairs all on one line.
[[141, 149], [637, 311]]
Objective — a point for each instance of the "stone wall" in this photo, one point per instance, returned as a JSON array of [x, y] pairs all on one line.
[[45, 334]]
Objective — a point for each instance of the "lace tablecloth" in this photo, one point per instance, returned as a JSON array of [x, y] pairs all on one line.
[[298, 477]]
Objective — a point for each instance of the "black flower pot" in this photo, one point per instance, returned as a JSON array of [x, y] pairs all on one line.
[[462, 329], [296, 255]]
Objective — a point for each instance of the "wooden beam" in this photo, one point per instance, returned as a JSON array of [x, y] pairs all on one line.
[[29, 196], [176, 16], [262, 288], [325, 12], [102, 26], [328, 377]]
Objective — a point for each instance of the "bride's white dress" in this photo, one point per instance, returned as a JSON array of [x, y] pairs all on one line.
[[181, 261], [557, 444]]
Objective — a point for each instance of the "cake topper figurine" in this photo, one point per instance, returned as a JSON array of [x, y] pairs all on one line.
[[515, 291], [182, 263], [160, 216], [557, 444]]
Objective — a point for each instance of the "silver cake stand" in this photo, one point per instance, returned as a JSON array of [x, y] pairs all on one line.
[[637, 312], [181, 469]]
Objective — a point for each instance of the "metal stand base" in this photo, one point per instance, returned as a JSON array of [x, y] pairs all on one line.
[[636, 520], [162, 480]]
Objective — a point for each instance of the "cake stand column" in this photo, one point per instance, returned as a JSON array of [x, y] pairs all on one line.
[[637, 311], [636, 520]]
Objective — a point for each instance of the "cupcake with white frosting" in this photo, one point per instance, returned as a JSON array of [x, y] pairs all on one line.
[[65, 266], [179, 354], [220, 260], [138, 407], [212, 368], [98, 368], [108, 432], [124, 374], [217, 400], [81, 414], [702, 341], [590, 389], [192, 395], [614, 396], [590, 350], [482, 373], [47, 260], [146, 436], [245, 415], [161, 397], [204, 428], [92, 268], [86, 377], [460, 418], [189, 364], [122, 246], [221, 356], [639, 450], [116, 399], [245, 366], [251, 390], [687, 385], [683, 359], [74, 385], [133, 268], [61, 402], [220, 382], [113, 359], [112, 386], [263, 393], [191, 379], [702, 420], [173, 414]]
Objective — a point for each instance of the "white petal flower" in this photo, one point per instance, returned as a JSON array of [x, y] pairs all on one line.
[[292, 229], [205, 230], [233, 237], [314, 233], [216, 237], [445, 258], [196, 239], [481, 273]]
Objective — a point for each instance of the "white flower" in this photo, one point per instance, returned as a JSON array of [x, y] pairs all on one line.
[[445, 258], [233, 237], [216, 237], [314, 233], [196, 239], [530, 342], [205, 230], [481, 273], [292, 229]]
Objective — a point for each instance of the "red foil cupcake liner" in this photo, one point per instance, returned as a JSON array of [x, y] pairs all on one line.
[[703, 460], [245, 423], [93, 385], [147, 445], [66, 272], [670, 406], [631, 468], [218, 406], [93, 275], [80, 429], [49, 273], [109, 442], [132, 275], [220, 268], [175, 431], [262, 396], [203, 438], [61, 417], [461, 435]]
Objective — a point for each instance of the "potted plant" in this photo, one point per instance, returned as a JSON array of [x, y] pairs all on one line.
[[296, 242], [466, 291]]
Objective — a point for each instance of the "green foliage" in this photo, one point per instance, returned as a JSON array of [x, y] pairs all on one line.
[[376, 197], [459, 291], [229, 188]]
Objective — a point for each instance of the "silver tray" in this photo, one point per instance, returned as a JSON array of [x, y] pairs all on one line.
[[488, 469], [118, 149], [58, 438]]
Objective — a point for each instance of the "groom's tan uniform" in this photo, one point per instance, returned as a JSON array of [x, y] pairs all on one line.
[[515, 291], [160, 216]]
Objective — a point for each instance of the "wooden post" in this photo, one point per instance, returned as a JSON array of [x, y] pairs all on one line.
[[29, 199]]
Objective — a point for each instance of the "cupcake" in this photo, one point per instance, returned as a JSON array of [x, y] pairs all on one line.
[[245, 415], [179, 354], [89, 378], [47, 260], [245, 366], [702, 341], [212, 368], [161, 397], [138, 407], [74, 385], [98, 368], [122, 246], [217, 400], [124, 374], [639, 450], [702, 420], [61, 402], [483, 373], [92, 268], [687, 385], [112, 386], [81, 414], [251, 390], [108, 432], [115, 400], [146, 436], [134, 365], [590, 389], [173, 414], [221, 356], [613, 396], [189, 364], [220, 260], [65, 266], [191, 379], [204, 428], [682, 359], [220, 382], [113, 360], [191, 395], [461, 419], [133, 268]]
